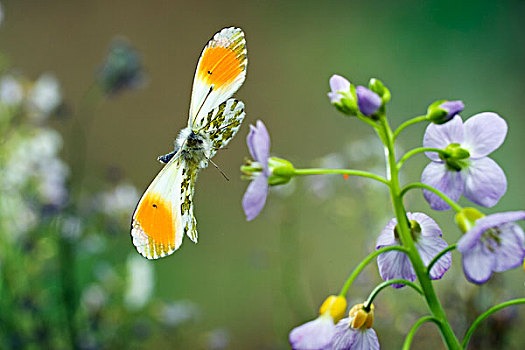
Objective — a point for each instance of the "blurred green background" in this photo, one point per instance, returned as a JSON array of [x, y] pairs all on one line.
[[245, 285]]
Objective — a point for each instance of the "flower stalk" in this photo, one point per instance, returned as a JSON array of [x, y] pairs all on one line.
[[433, 303]]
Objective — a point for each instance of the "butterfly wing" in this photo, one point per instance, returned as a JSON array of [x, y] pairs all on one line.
[[222, 123], [220, 72], [165, 212]]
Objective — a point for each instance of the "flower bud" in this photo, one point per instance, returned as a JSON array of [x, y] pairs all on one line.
[[360, 317], [367, 100], [442, 111], [343, 95], [467, 217], [281, 171], [335, 306], [380, 89]]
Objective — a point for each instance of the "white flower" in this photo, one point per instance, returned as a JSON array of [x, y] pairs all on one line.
[[218, 339], [11, 91], [94, 297], [46, 95], [178, 313], [121, 200], [140, 282]]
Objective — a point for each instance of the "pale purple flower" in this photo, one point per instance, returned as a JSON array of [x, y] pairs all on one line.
[[367, 100], [396, 264], [314, 335], [494, 244], [479, 178], [338, 84], [258, 141], [348, 338]]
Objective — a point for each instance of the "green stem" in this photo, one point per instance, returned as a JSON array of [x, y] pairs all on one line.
[[415, 327], [437, 257], [351, 172], [385, 284], [409, 122], [406, 238], [486, 314], [416, 151], [443, 196], [357, 270]]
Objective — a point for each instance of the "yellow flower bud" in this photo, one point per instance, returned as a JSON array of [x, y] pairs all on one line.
[[465, 218], [360, 318], [335, 306]]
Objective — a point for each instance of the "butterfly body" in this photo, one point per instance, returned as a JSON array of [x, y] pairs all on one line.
[[164, 214], [195, 147]]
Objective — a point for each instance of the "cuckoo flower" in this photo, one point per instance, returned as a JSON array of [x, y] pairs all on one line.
[[356, 332], [318, 334], [472, 173], [492, 243], [258, 141], [427, 236]]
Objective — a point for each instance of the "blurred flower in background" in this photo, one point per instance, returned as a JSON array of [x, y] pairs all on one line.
[[60, 285], [11, 91], [122, 69], [45, 96], [140, 282]]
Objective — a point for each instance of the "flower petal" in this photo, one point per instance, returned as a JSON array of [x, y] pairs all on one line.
[[387, 238], [365, 339], [510, 252], [499, 219], [344, 335], [429, 227], [449, 182], [440, 136], [484, 133], [485, 182], [428, 248], [395, 264], [258, 141], [478, 263], [255, 197], [339, 84], [313, 335]]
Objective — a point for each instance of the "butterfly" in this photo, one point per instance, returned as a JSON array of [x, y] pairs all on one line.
[[164, 214]]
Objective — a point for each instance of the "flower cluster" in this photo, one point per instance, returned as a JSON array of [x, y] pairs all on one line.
[[411, 246]]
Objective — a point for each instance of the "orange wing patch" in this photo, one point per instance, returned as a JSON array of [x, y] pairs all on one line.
[[220, 72], [220, 66], [155, 223]]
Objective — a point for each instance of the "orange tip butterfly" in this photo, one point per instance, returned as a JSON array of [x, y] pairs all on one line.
[[164, 214]]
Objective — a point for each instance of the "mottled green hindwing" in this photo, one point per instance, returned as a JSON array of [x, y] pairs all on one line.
[[222, 123]]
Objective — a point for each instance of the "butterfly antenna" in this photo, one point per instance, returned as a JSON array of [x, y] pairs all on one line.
[[217, 167], [202, 104]]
